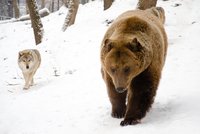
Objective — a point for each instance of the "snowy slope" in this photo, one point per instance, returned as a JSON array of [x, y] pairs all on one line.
[[70, 95]]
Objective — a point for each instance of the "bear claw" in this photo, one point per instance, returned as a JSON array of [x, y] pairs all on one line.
[[117, 115], [129, 122]]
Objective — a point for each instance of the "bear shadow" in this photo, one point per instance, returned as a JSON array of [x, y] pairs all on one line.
[[161, 113]]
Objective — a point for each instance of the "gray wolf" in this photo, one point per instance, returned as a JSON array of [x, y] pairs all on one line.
[[29, 61]]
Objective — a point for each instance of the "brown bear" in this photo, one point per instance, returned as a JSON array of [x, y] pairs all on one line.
[[133, 53]]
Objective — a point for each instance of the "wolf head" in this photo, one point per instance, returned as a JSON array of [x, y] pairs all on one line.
[[25, 60]]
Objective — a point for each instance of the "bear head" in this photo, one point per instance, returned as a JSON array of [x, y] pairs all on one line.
[[124, 60]]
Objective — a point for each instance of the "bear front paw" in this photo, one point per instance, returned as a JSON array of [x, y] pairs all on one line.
[[118, 114], [127, 122]]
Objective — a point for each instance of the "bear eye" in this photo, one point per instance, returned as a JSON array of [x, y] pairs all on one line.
[[134, 45], [113, 70], [109, 47], [126, 70]]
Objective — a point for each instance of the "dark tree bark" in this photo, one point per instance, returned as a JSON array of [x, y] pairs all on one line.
[[58, 4], [84, 1], [107, 4], [35, 20], [71, 16], [145, 4], [10, 8], [52, 5]]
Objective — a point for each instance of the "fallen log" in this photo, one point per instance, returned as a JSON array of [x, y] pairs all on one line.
[[43, 12]]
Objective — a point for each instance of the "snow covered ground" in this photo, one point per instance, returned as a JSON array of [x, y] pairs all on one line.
[[70, 95]]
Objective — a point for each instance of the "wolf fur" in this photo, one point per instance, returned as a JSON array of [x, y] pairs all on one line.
[[29, 61]]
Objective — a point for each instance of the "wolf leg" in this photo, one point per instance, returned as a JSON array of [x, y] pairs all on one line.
[[32, 75], [27, 80], [32, 82]]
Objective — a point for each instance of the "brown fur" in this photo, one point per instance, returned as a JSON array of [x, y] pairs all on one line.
[[133, 53], [158, 12]]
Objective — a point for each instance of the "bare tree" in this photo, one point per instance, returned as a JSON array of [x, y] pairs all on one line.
[[10, 8], [42, 4], [27, 11], [3, 8], [71, 16], [58, 4], [107, 4], [144, 4], [16, 8], [35, 20], [52, 5]]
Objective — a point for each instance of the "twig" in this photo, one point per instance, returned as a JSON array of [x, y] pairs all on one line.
[[10, 91], [11, 84]]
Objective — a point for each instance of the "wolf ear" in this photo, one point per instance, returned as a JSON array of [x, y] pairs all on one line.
[[29, 52], [20, 54], [134, 45], [108, 45]]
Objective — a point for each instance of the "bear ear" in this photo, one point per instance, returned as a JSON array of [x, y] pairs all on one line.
[[134, 45], [108, 45], [159, 12]]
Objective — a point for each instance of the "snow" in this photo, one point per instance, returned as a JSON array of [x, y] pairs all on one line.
[[69, 95]]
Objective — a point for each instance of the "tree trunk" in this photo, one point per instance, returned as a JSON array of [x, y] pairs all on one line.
[[71, 16], [58, 4], [84, 1], [10, 8], [145, 4], [52, 5], [107, 4], [16, 8], [35, 20], [5, 8], [42, 4], [27, 11]]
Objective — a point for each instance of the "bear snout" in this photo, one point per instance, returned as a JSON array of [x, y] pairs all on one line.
[[120, 89]]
